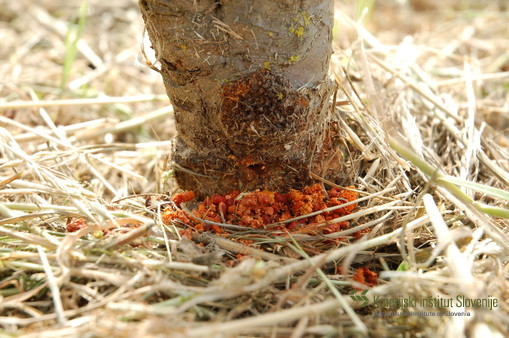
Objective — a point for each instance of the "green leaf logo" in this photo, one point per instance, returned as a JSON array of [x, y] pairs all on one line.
[[360, 297]]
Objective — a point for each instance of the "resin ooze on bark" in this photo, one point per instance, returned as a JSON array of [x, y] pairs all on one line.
[[248, 80]]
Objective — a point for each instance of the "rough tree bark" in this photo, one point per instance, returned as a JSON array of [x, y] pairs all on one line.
[[248, 81]]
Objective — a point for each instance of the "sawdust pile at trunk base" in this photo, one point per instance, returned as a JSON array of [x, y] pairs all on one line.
[[312, 210]]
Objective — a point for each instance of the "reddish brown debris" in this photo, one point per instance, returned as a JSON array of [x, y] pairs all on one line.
[[117, 226], [260, 208], [75, 224], [366, 276], [184, 197]]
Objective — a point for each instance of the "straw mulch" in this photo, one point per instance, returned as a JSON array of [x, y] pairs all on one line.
[[85, 128]]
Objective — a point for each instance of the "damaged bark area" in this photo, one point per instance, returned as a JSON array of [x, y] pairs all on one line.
[[248, 80]]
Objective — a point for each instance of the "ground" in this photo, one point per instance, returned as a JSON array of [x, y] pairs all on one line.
[[85, 128]]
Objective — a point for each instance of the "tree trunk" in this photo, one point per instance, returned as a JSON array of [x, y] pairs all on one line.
[[248, 81]]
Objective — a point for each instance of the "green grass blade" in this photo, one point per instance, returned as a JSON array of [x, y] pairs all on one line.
[[491, 210], [450, 183], [491, 191], [73, 36]]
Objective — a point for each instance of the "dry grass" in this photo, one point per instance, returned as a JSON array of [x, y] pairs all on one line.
[[85, 129]]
